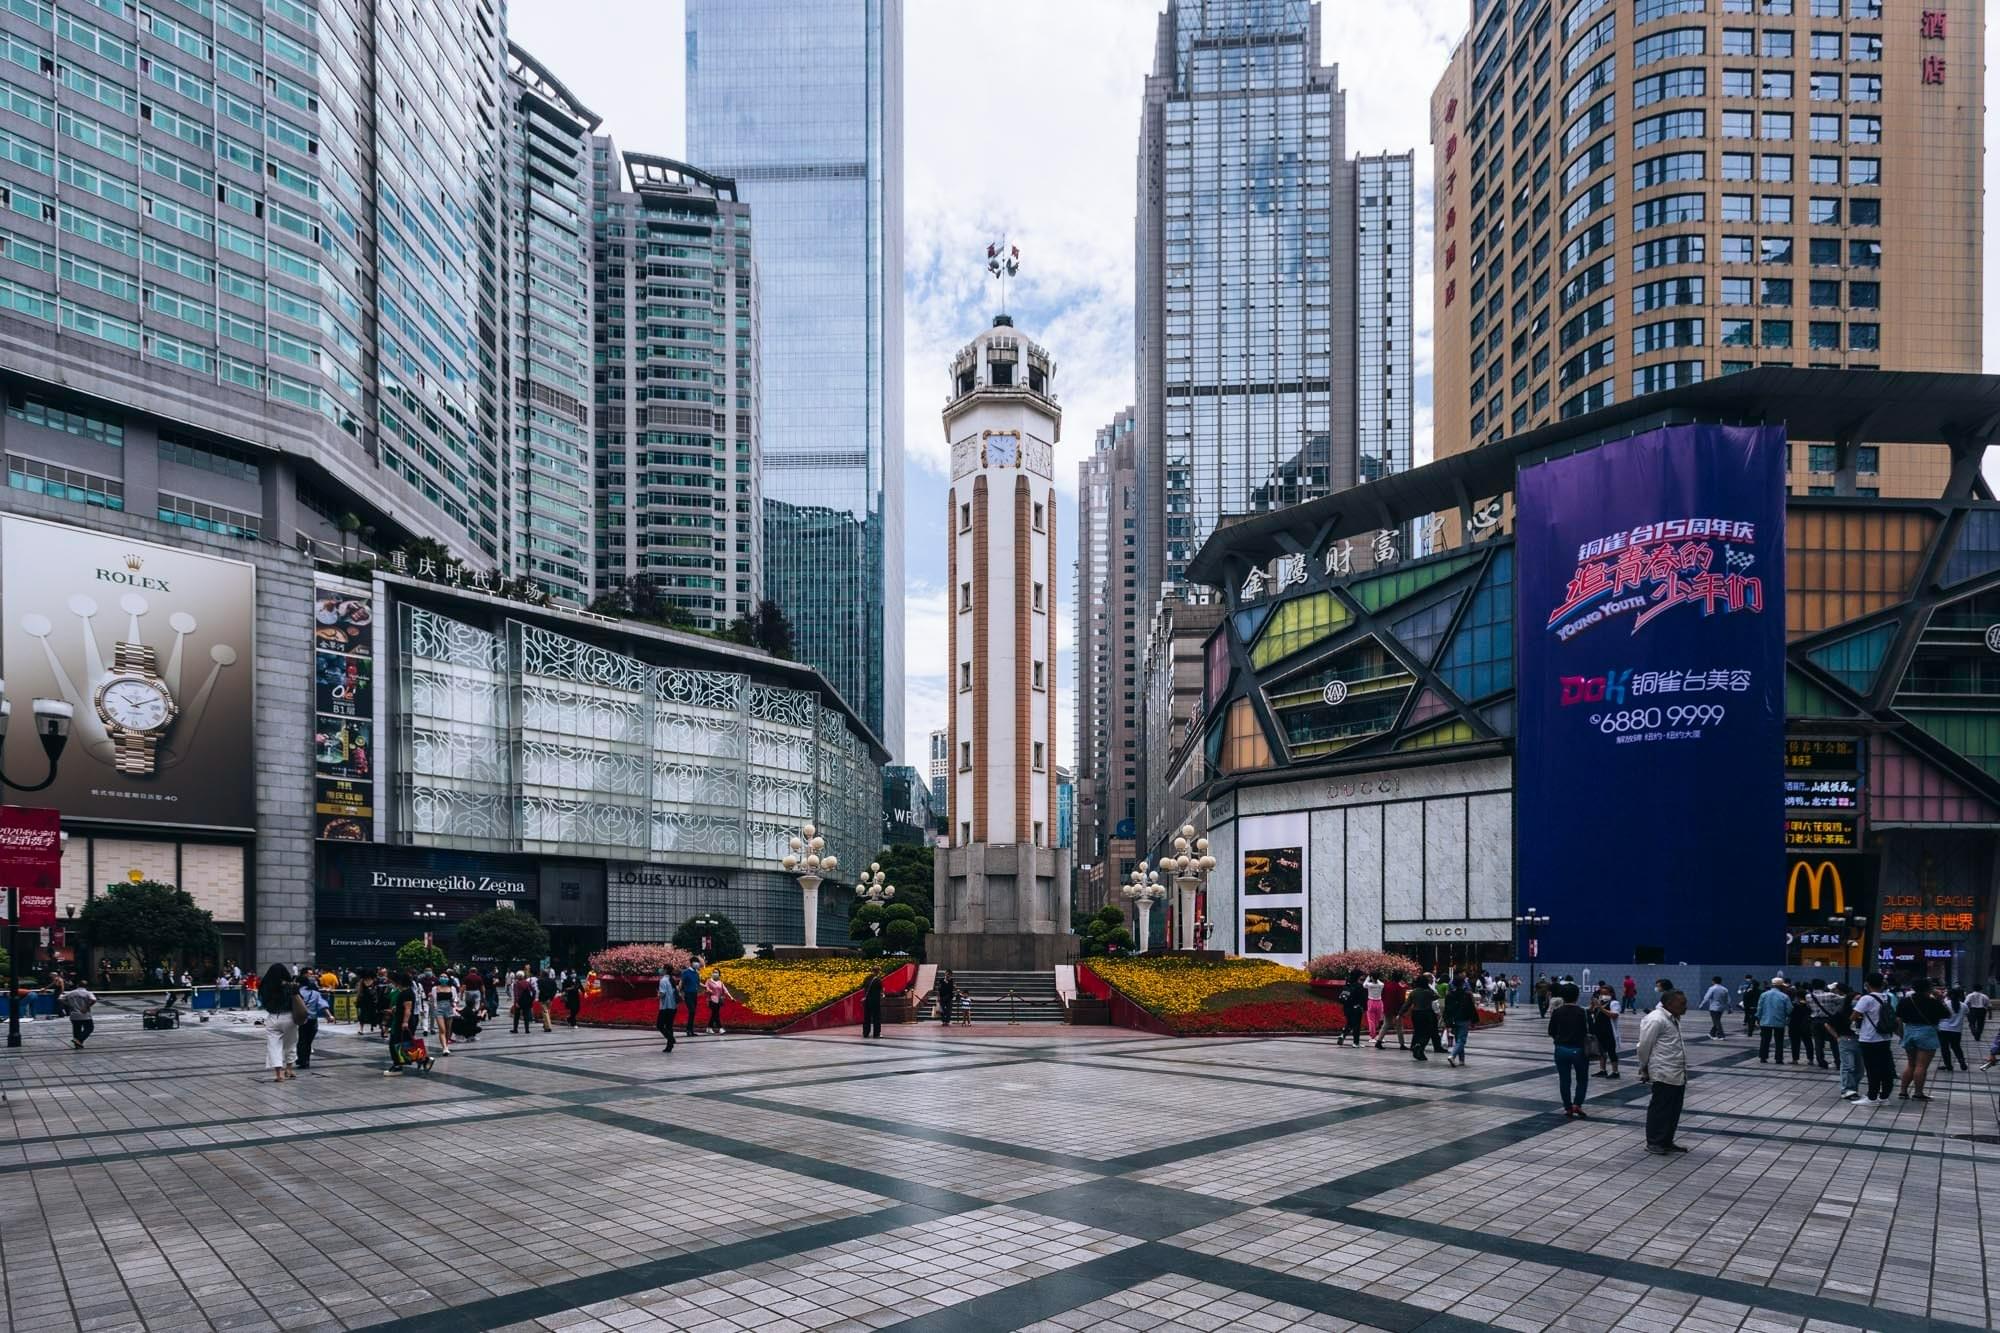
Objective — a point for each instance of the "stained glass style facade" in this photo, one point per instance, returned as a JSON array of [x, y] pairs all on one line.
[[677, 475], [1367, 682], [802, 107]]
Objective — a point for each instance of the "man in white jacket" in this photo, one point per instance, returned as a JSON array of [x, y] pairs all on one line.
[[1663, 1063]]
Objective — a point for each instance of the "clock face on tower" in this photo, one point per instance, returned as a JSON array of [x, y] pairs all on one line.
[[1003, 449]]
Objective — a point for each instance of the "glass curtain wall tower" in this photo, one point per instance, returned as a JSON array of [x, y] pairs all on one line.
[[676, 318], [269, 221], [549, 331], [802, 106]]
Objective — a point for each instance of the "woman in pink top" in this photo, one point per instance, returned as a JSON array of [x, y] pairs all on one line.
[[717, 992]]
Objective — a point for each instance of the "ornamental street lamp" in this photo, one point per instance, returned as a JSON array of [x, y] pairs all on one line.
[[1189, 865], [52, 718], [1145, 890], [1532, 921], [806, 860], [874, 890], [1849, 942]]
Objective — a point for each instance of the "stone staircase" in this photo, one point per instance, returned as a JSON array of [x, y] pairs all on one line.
[[1037, 1000]]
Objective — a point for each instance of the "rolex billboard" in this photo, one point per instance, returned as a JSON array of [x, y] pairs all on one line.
[[152, 649]]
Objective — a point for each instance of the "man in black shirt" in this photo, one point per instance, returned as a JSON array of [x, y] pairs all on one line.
[[1569, 1029]]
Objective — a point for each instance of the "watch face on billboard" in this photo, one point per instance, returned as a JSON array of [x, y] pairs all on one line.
[[151, 648]]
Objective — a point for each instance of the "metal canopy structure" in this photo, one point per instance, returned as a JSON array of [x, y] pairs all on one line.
[[1841, 407]]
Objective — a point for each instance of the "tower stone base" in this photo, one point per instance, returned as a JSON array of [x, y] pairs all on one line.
[[1002, 907]]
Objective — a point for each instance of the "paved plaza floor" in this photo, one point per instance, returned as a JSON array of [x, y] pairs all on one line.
[[979, 1179]]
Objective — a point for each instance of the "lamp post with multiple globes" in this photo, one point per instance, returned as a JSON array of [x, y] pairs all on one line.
[[808, 860], [1189, 865], [874, 890], [1145, 890], [52, 717]]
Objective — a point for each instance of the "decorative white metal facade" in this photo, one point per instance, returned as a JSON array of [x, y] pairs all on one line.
[[532, 741]]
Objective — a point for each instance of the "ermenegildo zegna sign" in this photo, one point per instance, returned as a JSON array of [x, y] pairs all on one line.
[[152, 648], [374, 879]]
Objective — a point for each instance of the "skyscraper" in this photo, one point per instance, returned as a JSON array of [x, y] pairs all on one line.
[[802, 106], [677, 416], [280, 224], [547, 371], [1272, 327], [1251, 318], [1107, 641], [940, 772], [1701, 189]]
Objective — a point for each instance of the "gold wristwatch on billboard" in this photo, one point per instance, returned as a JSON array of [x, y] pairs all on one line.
[[136, 707]]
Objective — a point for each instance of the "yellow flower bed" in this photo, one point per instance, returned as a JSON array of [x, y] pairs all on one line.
[[783, 987], [1183, 985]]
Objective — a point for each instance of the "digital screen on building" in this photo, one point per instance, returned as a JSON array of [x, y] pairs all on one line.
[[1651, 640], [1823, 793], [1814, 754]]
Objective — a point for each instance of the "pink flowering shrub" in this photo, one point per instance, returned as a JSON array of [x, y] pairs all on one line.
[[1368, 962], [639, 960]]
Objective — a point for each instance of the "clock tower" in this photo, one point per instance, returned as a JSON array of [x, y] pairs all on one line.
[[1002, 885]]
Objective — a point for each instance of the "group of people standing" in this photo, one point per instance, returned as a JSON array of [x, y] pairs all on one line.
[[1432, 1005], [683, 993], [1824, 1023]]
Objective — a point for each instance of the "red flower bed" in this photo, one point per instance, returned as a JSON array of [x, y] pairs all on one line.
[[1261, 1016], [644, 1013]]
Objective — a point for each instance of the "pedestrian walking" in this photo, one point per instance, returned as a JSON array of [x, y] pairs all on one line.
[[691, 991], [1372, 1018], [444, 998], [1799, 1028], [1715, 1002], [367, 1006], [1746, 995], [1774, 1011], [1663, 1065], [1920, 1013], [545, 999], [670, 992], [314, 1001], [521, 1018], [1875, 1026], [572, 994], [718, 994], [1977, 1002], [1569, 1029], [77, 1002], [1951, 1029], [1631, 994], [1438, 989], [1604, 1010], [1353, 1004], [1840, 1031], [1420, 1007], [401, 1021], [1542, 995], [1460, 1013], [1395, 998], [871, 1008], [281, 1023], [946, 992]]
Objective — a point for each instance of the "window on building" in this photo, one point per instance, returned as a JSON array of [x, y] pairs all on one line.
[[1776, 333], [965, 518], [1864, 254], [965, 675], [1738, 249], [1777, 43], [1823, 129], [1736, 291], [1777, 209], [1041, 681], [965, 596], [1737, 166], [1777, 292], [1739, 42], [1864, 337], [1824, 171], [1039, 520], [1736, 207], [1864, 48], [1824, 294], [1739, 83], [1864, 212], [1823, 251], [1864, 171], [1864, 296], [1824, 87], [1822, 211], [1823, 335], [1737, 333], [1864, 88], [1038, 756], [1864, 129], [1775, 250], [1776, 85], [964, 755], [1738, 125], [1825, 46], [1777, 168], [1774, 125]]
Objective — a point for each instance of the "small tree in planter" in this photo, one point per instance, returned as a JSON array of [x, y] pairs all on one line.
[[416, 956], [724, 942], [1105, 934]]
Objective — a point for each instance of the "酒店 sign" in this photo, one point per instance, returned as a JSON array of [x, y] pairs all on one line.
[[31, 862]]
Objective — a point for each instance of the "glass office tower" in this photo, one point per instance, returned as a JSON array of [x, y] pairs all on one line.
[[802, 106]]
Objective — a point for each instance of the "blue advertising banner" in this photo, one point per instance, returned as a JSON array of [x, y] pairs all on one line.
[[1649, 795]]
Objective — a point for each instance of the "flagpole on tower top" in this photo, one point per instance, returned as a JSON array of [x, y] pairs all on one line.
[[1003, 261]]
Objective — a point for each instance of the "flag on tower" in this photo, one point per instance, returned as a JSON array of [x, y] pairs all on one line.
[[1002, 259]]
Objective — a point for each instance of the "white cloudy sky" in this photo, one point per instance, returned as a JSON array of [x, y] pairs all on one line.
[[1022, 121]]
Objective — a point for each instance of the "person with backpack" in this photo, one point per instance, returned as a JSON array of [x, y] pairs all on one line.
[[1353, 1007], [77, 1002], [1460, 1013], [275, 996], [691, 991], [670, 994], [1874, 1028], [521, 1018], [313, 1000]]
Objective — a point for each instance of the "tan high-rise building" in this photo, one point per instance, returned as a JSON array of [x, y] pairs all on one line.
[[1637, 194]]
